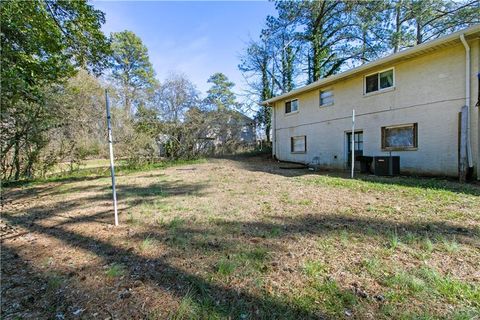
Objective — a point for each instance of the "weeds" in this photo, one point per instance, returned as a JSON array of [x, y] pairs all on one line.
[[176, 223], [335, 300], [393, 240], [54, 282], [186, 309], [404, 281], [451, 246], [147, 243], [314, 268], [226, 267], [427, 245], [451, 289], [115, 270], [372, 266], [344, 237]]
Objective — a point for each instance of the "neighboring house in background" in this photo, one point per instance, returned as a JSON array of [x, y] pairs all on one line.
[[239, 127], [227, 130], [407, 104], [211, 132]]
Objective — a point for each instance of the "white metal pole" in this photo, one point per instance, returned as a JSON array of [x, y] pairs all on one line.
[[353, 143], [112, 167]]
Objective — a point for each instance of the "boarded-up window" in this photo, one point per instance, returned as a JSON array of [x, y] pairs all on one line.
[[402, 137], [326, 98], [379, 81], [291, 106], [298, 144]]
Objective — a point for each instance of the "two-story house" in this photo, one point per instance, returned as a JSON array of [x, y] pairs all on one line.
[[407, 104]]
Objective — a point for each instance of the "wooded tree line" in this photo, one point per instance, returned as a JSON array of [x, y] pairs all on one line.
[[310, 40], [56, 64]]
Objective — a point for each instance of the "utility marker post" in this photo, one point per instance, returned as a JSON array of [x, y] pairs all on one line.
[[353, 143], [112, 167]]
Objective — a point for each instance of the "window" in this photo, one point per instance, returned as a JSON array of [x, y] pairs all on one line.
[[403, 137], [379, 81], [298, 144], [291, 106], [326, 98]]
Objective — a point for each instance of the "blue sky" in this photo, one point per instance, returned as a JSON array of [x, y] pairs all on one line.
[[195, 37]]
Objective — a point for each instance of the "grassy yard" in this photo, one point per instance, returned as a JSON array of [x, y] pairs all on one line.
[[241, 239]]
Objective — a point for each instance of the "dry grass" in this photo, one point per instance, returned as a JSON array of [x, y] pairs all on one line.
[[242, 239]]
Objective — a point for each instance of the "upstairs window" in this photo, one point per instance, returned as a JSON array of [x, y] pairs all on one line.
[[298, 144], [379, 81], [291, 106], [402, 137], [326, 98]]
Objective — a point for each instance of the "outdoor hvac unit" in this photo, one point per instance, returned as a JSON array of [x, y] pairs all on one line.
[[386, 166], [365, 163]]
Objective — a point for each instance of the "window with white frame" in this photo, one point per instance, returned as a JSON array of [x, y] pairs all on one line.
[[298, 144], [291, 106], [401, 137], [379, 81], [326, 97]]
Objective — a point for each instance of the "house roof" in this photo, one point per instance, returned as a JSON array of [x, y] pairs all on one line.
[[445, 41], [241, 114]]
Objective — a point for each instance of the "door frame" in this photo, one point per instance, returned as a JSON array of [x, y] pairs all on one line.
[[347, 145]]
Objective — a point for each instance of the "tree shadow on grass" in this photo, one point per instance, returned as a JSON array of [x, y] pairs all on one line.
[[61, 222], [319, 224], [158, 273], [97, 196], [31, 291], [229, 236], [262, 164]]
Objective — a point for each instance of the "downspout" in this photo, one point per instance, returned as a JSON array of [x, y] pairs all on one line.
[[274, 133], [467, 98]]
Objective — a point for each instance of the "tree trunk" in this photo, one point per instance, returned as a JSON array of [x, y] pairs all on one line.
[[289, 76], [284, 67], [315, 58], [419, 32], [363, 57], [16, 160], [309, 68], [398, 27], [127, 101]]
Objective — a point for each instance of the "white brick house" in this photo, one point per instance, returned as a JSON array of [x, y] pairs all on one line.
[[406, 104]]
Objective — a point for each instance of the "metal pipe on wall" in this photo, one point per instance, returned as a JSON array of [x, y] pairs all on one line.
[[467, 98]]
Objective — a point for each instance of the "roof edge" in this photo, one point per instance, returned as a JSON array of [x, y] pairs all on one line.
[[392, 57]]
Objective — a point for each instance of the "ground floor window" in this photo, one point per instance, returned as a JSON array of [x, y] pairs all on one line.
[[298, 144], [401, 137]]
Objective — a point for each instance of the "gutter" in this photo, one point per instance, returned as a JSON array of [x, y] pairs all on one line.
[[467, 97], [404, 54]]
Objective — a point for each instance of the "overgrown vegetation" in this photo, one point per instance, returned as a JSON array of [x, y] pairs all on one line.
[[56, 65]]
